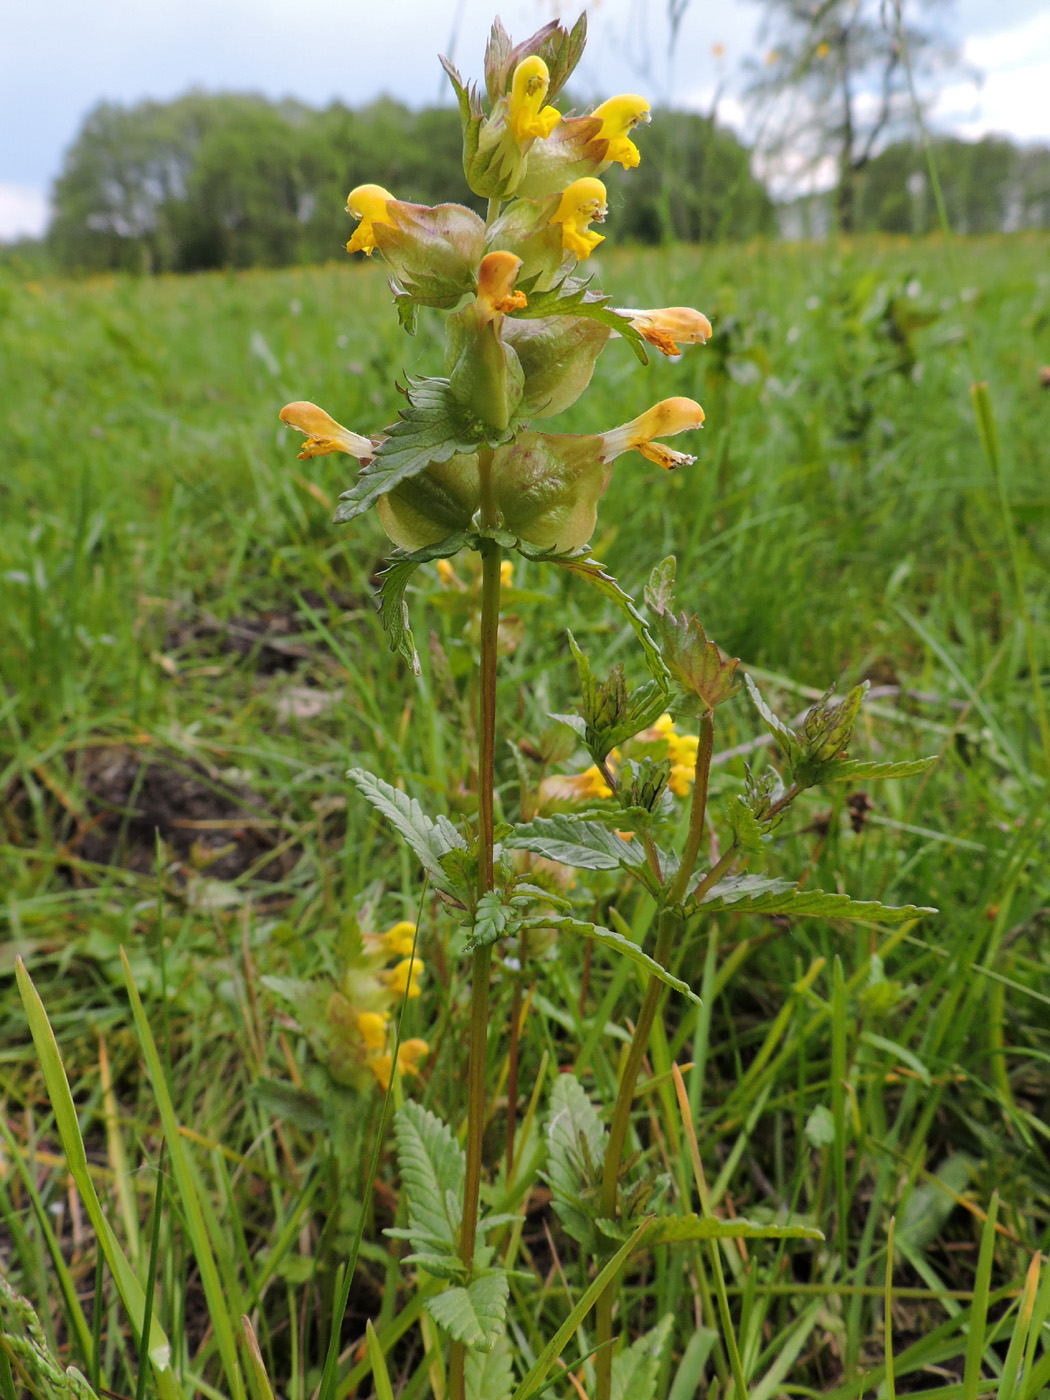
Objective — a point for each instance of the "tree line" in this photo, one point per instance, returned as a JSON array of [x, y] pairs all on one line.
[[228, 180]]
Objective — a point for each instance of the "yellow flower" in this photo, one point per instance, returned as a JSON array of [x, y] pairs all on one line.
[[618, 116], [823, 49], [681, 750], [400, 939], [324, 433], [664, 419], [408, 1057], [582, 202], [506, 573], [529, 118], [665, 326], [372, 1026], [496, 274], [369, 204], [589, 786], [405, 976], [447, 576]]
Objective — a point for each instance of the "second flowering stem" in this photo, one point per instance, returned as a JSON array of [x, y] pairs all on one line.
[[477, 1102]]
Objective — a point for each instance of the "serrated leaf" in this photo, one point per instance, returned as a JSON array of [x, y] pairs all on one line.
[[571, 298], [493, 920], [597, 576], [489, 1375], [394, 579], [578, 841], [761, 894], [635, 1372], [433, 1168], [575, 1151], [474, 1315], [429, 839], [853, 771], [786, 740], [432, 428], [619, 943], [747, 831], [443, 1266], [677, 1228], [695, 663]]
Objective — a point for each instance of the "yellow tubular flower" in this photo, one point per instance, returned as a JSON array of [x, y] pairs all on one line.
[[506, 573], [324, 434], [369, 204], [496, 274], [589, 786], [408, 1057], [582, 202], [404, 976], [372, 1026], [529, 118], [666, 326], [400, 938], [664, 419], [618, 116]]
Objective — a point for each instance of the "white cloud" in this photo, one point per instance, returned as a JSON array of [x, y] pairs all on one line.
[[23, 212], [1012, 97]]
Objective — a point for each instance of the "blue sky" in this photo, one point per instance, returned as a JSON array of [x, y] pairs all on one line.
[[59, 57]]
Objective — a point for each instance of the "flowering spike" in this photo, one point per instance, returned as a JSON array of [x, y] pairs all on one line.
[[324, 434], [370, 204], [583, 202], [529, 118]]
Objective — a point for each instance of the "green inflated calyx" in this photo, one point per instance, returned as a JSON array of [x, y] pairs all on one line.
[[484, 373]]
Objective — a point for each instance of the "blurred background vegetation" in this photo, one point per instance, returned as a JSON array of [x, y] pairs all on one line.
[[230, 181]]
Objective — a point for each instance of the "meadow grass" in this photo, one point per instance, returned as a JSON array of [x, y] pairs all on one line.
[[185, 635]]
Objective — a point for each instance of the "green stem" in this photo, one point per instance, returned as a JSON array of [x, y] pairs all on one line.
[[670, 925], [482, 964], [697, 812]]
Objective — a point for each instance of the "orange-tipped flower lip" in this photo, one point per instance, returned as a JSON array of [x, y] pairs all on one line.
[[324, 434]]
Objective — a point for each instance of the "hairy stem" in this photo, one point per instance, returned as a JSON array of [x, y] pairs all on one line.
[[482, 964], [698, 810], [670, 925]]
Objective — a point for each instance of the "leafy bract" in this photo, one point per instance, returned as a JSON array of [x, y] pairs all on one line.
[[432, 1169], [581, 564], [489, 1375], [701, 673], [430, 839], [572, 298], [619, 943], [675, 1229], [474, 1315], [576, 1143], [635, 1372], [433, 428], [394, 579], [762, 894], [611, 712], [578, 841]]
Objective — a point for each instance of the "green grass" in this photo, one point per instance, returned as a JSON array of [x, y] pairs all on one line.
[[185, 633]]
